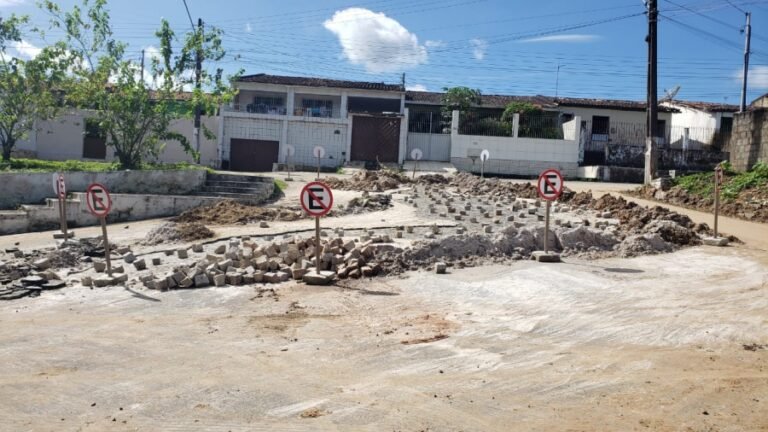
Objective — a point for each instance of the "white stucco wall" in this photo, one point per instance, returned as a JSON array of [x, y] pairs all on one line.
[[304, 136], [174, 152]]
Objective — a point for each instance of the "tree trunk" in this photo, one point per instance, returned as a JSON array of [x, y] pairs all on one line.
[[7, 147]]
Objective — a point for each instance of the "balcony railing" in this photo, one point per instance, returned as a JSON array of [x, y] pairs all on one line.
[[257, 109], [317, 112]]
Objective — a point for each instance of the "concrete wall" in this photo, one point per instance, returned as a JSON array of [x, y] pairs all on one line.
[[669, 158], [304, 136], [515, 156], [124, 208], [33, 188], [61, 138], [749, 139]]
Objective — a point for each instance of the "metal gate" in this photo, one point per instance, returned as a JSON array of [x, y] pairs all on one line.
[[375, 138], [434, 147]]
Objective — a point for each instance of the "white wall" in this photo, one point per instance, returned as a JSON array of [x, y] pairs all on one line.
[[305, 135], [616, 116], [174, 152]]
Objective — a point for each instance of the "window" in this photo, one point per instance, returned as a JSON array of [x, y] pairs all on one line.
[[266, 105], [94, 141], [726, 124], [601, 128], [317, 107]]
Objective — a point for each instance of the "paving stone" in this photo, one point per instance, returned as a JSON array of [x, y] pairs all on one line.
[[161, 284], [321, 278], [182, 253], [219, 280], [220, 249], [103, 281], [86, 281], [440, 268], [123, 278], [197, 248], [156, 261], [263, 224], [140, 264], [129, 257], [186, 283], [42, 264], [99, 266], [168, 252], [202, 280]]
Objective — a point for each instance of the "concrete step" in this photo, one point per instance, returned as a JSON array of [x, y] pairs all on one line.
[[227, 189], [231, 195], [235, 184], [237, 178]]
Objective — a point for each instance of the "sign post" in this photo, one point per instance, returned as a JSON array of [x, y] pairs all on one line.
[[99, 204], [319, 153], [550, 186], [289, 151], [484, 156], [60, 188], [718, 183], [416, 155], [317, 200]]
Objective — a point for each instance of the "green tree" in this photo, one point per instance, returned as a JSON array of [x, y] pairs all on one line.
[[135, 112], [28, 88], [523, 108], [461, 98]]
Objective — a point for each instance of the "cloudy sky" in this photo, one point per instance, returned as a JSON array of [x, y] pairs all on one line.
[[498, 46]]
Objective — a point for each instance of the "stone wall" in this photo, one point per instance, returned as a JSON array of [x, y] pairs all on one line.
[[749, 140], [34, 188]]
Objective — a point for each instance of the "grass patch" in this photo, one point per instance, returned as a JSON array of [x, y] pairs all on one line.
[[703, 184], [279, 191], [37, 165]]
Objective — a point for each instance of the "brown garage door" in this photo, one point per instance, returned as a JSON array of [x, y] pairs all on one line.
[[375, 138], [252, 155]]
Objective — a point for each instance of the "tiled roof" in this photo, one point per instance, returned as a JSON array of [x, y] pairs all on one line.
[[501, 101], [318, 82], [707, 106]]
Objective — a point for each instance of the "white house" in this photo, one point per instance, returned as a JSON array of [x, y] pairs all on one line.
[[699, 124], [351, 120]]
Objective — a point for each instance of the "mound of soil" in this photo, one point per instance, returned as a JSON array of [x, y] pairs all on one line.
[[172, 232], [492, 187], [369, 181], [750, 204], [233, 213]]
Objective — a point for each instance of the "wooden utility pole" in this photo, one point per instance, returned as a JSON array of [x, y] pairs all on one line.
[[142, 65], [747, 42], [651, 150]]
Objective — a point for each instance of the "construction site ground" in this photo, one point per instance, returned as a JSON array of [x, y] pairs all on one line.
[[675, 341]]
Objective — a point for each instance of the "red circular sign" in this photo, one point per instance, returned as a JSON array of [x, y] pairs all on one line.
[[98, 199], [316, 198], [550, 185]]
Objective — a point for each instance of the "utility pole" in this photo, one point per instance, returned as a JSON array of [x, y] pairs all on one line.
[[748, 41], [142, 65], [402, 82], [557, 78], [651, 151], [198, 73]]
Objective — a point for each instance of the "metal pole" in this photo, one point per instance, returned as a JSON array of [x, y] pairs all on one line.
[[198, 74], [318, 168], [482, 168], [748, 34], [288, 164], [414, 168], [106, 244], [63, 215], [717, 200], [546, 228], [651, 154], [317, 244]]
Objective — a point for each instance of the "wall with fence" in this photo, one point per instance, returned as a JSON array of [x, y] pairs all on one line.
[[514, 154], [669, 158]]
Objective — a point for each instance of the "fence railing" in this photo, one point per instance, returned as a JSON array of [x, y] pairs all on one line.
[[428, 122], [543, 126]]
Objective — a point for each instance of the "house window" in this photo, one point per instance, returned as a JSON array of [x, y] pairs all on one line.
[[726, 124], [94, 141], [601, 128], [266, 105], [317, 107]]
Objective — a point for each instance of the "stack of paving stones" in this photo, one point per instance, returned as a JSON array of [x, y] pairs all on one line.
[[244, 262]]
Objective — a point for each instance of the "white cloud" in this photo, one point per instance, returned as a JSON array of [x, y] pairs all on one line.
[[757, 78], [568, 38], [9, 3], [375, 40], [479, 46], [416, 87], [434, 44], [25, 49], [248, 28]]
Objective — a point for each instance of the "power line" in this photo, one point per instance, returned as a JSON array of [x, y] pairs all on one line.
[[189, 15], [723, 23], [735, 7]]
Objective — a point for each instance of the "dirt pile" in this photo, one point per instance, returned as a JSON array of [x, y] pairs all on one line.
[[370, 181], [368, 203], [233, 213], [749, 204], [173, 232], [492, 188]]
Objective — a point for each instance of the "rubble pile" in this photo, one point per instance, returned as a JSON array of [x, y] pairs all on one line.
[[370, 181], [369, 202], [173, 232], [492, 188], [243, 263], [27, 274]]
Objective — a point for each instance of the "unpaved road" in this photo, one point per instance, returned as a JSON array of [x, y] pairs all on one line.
[[652, 343]]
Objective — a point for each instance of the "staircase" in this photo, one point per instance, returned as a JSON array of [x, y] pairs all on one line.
[[240, 187]]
